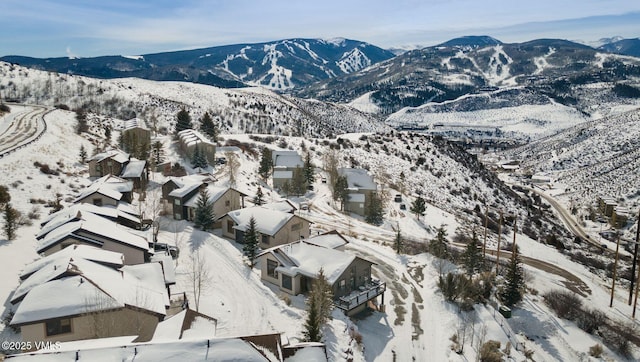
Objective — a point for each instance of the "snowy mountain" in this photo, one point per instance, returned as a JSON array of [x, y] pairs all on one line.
[[278, 65], [623, 46], [467, 66]]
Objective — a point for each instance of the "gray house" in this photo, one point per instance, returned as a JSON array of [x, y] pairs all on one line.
[[361, 186]]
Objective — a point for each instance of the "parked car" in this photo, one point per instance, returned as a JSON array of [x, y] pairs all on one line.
[[173, 250], [403, 207], [324, 180], [398, 198]]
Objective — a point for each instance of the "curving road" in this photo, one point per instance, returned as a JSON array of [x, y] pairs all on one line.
[[22, 128]]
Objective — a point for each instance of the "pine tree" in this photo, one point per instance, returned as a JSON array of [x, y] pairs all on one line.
[[286, 188], [341, 190], [373, 211], [514, 281], [157, 152], [208, 127], [472, 257], [199, 160], [312, 325], [83, 154], [298, 184], [10, 221], [259, 199], [204, 211], [81, 118], [5, 197], [266, 164], [418, 207], [397, 242], [319, 304], [183, 121], [250, 247], [309, 170], [438, 245]]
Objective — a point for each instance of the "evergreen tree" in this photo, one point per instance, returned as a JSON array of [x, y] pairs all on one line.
[[472, 257], [107, 133], [397, 242], [208, 127], [157, 152], [199, 160], [373, 211], [259, 199], [266, 164], [438, 245], [312, 325], [418, 207], [81, 118], [183, 121], [83, 154], [204, 211], [309, 170], [286, 188], [319, 304], [5, 197], [250, 248], [298, 184], [514, 281], [341, 190], [10, 221]]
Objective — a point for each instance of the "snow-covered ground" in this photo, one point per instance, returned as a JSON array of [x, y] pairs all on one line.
[[417, 324]]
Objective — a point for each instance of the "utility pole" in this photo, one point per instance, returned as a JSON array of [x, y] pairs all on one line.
[[499, 239], [486, 221], [615, 269], [635, 260]]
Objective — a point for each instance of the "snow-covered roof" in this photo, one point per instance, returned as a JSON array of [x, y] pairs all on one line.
[[184, 190], [87, 252], [225, 149], [188, 325], [94, 287], [358, 178], [168, 267], [96, 225], [102, 190], [76, 211], [307, 259], [113, 182], [126, 207], [267, 221], [282, 174], [116, 155], [193, 136], [215, 192], [133, 123], [286, 159], [134, 168], [283, 205], [198, 178], [331, 240]]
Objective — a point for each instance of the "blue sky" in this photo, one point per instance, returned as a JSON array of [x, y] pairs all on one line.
[[54, 28]]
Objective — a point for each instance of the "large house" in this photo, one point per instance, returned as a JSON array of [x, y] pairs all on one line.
[[223, 200], [284, 165], [293, 268], [109, 162], [177, 190], [135, 171], [360, 188], [74, 212], [94, 230], [86, 300], [275, 227], [134, 134]]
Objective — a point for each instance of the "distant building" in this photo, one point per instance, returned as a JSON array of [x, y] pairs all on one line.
[[284, 164], [607, 205], [109, 162], [189, 139], [360, 188], [135, 134]]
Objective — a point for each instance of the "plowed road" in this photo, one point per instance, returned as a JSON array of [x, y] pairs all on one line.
[[21, 127]]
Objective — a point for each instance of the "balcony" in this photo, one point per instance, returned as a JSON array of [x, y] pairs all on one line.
[[364, 294]]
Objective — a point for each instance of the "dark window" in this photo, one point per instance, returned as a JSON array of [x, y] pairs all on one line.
[[230, 226], [271, 268], [58, 326], [227, 203], [265, 239], [97, 202], [286, 282]]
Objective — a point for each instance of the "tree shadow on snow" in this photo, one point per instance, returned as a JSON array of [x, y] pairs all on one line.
[[537, 330]]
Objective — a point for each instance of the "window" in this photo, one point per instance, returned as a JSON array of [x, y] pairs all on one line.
[[352, 283], [58, 326], [265, 239], [230, 226], [176, 202], [286, 282], [296, 226], [343, 285], [227, 203], [97, 202], [271, 268]]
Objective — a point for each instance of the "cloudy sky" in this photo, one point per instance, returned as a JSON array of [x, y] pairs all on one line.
[[54, 28]]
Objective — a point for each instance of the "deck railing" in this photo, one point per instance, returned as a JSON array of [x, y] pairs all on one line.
[[362, 295]]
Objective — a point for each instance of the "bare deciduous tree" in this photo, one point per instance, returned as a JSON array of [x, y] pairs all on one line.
[[199, 277]]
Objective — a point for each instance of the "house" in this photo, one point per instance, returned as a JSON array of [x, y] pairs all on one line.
[[176, 191], [136, 172], [99, 196], [187, 324], [293, 267], [330, 240], [360, 188], [114, 183], [135, 134], [607, 205], [96, 231], [223, 199], [189, 139], [285, 205], [620, 216], [275, 227], [88, 300], [284, 164], [74, 212], [109, 162]]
